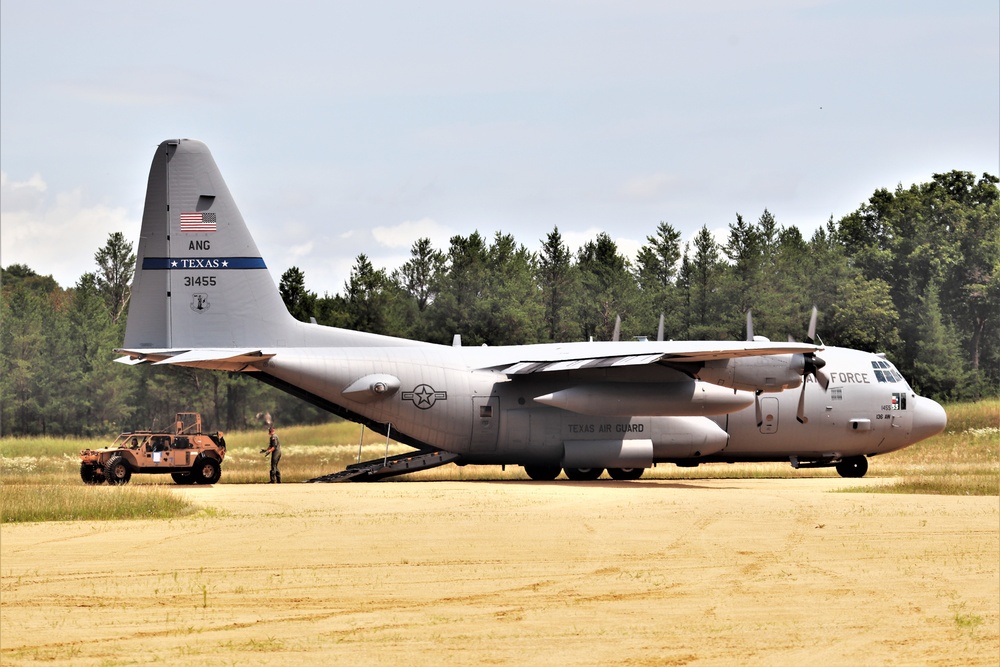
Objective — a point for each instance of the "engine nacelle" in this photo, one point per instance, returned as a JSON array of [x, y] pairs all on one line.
[[764, 373]]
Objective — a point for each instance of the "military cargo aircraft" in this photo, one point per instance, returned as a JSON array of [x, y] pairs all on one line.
[[202, 297]]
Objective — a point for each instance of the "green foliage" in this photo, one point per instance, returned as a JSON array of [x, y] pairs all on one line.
[[116, 264], [301, 303], [914, 273]]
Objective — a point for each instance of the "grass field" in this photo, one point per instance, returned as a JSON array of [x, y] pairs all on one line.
[[41, 475]]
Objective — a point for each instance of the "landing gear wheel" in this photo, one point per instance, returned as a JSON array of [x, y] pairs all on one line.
[[206, 471], [116, 471], [626, 473], [183, 477], [542, 473], [88, 473], [583, 474], [855, 466]]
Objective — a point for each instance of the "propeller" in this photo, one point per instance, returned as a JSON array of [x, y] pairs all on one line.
[[659, 330], [750, 325], [616, 336], [812, 365]]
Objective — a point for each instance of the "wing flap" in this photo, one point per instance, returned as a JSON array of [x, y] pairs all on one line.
[[526, 367]]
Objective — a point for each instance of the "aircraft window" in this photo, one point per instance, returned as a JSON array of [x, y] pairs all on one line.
[[485, 411], [888, 372]]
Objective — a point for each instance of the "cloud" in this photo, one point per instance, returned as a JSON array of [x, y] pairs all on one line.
[[302, 250], [54, 234], [406, 233], [647, 187]]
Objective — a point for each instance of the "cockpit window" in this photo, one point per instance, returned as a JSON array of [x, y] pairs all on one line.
[[884, 372]]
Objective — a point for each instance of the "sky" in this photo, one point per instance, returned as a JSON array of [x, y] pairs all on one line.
[[347, 128]]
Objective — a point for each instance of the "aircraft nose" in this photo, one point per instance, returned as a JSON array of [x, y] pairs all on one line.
[[929, 418]]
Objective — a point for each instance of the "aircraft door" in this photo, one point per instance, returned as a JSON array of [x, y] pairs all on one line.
[[769, 415], [485, 423]]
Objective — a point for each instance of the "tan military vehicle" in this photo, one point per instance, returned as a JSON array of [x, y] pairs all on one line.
[[187, 454]]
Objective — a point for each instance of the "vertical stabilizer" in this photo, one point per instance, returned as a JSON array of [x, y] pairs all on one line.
[[200, 280]]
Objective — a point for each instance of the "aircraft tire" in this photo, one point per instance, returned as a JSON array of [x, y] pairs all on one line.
[[583, 474], [626, 473], [206, 471], [542, 473], [855, 466], [116, 471]]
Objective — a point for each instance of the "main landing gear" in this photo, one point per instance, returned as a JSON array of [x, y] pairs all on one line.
[[544, 473]]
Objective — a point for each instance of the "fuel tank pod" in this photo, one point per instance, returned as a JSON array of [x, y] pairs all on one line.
[[628, 399]]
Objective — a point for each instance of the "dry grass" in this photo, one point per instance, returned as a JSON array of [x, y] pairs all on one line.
[[964, 460], [63, 502]]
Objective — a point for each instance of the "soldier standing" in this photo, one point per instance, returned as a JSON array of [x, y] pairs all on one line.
[[274, 449]]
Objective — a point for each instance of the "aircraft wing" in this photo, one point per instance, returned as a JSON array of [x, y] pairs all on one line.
[[214, 358], [679, 352]]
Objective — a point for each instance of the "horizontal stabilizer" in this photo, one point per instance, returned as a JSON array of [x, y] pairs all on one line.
[[214, 358]]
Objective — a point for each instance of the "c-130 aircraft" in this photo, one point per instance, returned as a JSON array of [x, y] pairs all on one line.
[[202, 297]]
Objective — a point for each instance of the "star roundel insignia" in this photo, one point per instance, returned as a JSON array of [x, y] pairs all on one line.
[[424, 396]]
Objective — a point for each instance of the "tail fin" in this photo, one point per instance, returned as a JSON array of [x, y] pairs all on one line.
[[200, 280], [201, 283]]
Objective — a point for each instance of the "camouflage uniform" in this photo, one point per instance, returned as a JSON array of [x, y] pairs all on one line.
[[274, 447]]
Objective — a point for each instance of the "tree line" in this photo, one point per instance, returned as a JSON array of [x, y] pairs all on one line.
[[913, 272]]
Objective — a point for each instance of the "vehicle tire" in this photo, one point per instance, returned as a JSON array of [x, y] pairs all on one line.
[[116, 471], [88, 473], [626, 473], [206, 471], [583, 474], [855, 466], [542, 473], [183, 477]]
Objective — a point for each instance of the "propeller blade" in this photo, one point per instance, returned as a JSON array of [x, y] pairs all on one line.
[[823, 379], [811, 336], [756, 401], [750, 325], [659, 331], [616, 336], [800, 414]]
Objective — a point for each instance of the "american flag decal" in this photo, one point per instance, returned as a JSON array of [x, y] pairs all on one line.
[[197, 222]]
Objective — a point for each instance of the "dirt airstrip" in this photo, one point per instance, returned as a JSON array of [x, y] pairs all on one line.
[[750, 572]]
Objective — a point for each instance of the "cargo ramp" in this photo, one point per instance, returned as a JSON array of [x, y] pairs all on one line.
[[376, 469]]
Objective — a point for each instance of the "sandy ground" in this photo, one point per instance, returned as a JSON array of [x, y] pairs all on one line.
[[750, 572]]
